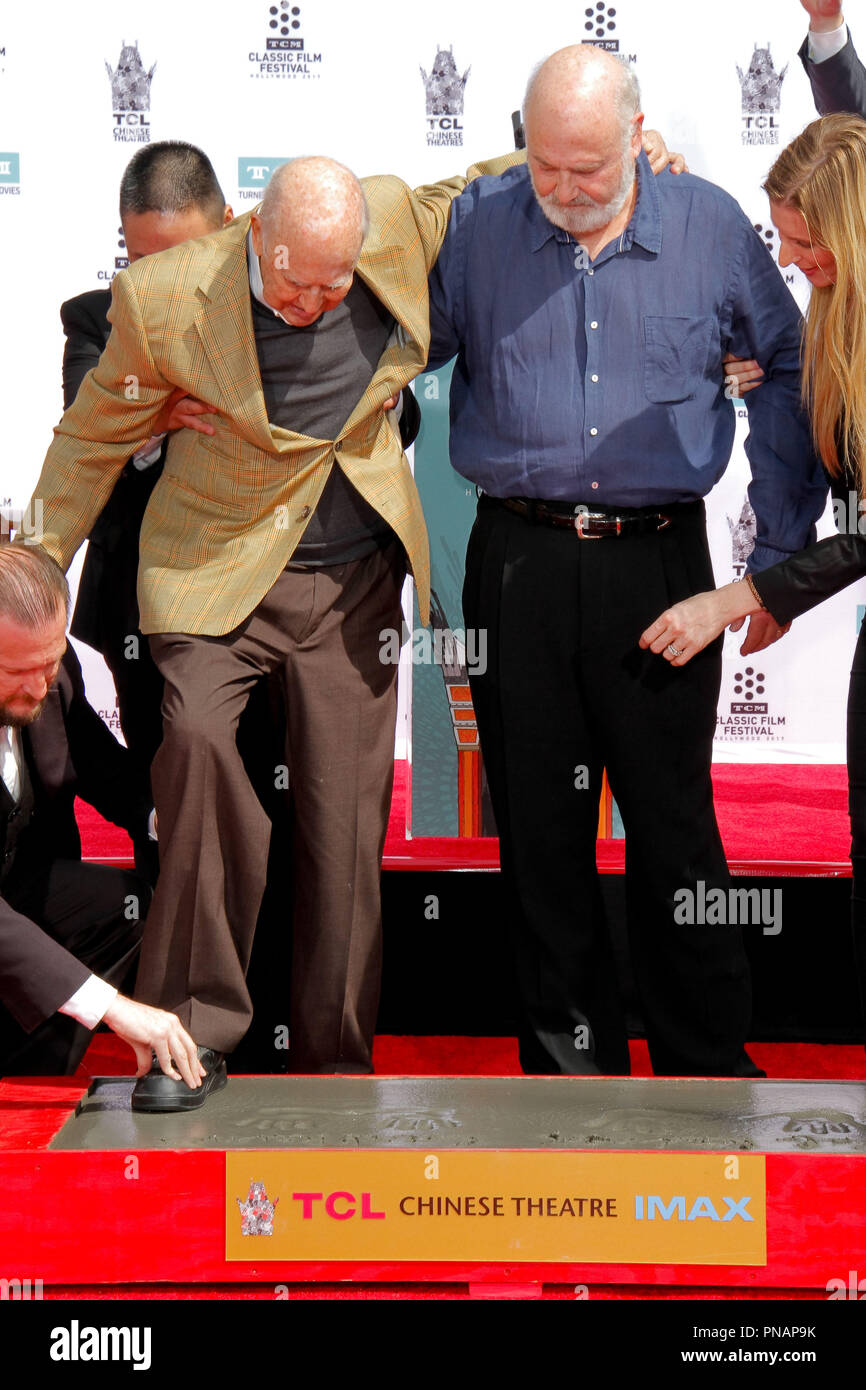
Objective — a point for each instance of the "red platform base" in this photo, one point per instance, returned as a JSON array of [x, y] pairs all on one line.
[[152, 1215]]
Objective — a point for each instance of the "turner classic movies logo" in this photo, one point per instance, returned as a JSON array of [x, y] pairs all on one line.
[[444, 88], [10, 173], [761, 90], [254, 173], [285, 52], [130, 95]]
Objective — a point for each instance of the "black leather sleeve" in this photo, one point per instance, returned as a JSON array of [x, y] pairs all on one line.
[[807, 578], [839, 83]]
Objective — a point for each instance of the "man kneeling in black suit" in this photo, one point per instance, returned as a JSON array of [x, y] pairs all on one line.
[[69, 931]]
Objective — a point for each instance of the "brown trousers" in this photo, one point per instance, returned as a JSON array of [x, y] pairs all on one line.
[[320, 628]]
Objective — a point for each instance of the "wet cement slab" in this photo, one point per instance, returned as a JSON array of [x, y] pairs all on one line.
[[334, 1112]]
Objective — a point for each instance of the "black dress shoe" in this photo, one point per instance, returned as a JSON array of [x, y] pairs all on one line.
[[159, 1095]]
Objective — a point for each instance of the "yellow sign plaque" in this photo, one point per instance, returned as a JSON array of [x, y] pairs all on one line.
[[529, 1205]]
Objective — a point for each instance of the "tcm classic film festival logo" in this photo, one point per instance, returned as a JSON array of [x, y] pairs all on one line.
[[130, 95], [761, 92], [600, 28], [284, 51], [444, 89], [119, 261], [748, 717]]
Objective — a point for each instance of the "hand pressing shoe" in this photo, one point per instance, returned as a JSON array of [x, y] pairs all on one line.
[[159, 1095]]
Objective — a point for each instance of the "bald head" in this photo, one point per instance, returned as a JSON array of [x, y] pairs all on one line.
[[308, 237], [583, 132], [581, 84]]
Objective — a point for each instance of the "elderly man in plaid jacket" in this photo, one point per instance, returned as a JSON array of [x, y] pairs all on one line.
[[278, 543]]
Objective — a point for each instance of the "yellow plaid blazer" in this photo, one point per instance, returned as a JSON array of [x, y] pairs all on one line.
[[229, 509]]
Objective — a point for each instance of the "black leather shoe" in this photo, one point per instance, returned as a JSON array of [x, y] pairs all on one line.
[[159, 1095]]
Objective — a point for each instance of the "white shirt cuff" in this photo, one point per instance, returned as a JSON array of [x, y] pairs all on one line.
[[824, 46], [89, 1003], [148, 453]]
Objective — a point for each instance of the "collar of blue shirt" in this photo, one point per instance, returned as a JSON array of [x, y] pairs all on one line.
[[645, 227]]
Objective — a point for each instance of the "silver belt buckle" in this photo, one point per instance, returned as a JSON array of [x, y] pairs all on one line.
[[584, 535]]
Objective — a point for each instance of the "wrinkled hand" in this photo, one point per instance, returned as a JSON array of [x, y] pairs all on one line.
[[149, 1030], [763, 631], [824, 15], [742, 372], [183, 412], [660, 156]]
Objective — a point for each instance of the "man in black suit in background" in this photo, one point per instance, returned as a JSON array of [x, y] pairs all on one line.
[[835, 72], [169, 193], [69, 932]]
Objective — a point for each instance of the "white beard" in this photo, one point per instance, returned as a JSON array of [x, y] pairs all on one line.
[[584, 214]]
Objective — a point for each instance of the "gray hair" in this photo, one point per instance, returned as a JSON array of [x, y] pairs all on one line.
[[33, 588]]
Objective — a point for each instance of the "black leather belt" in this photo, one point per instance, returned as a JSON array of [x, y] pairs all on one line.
[[585, 522]]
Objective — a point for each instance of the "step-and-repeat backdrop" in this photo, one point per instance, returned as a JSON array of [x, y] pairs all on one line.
[[420, 91]]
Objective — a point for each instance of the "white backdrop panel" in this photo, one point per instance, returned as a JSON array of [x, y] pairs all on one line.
[[354, 90]]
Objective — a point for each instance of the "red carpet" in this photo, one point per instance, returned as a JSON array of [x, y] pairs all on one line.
[[774, 820]]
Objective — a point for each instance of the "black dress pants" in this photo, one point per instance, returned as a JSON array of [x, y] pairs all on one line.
[[567, 693], [91, 910], [106, 612]]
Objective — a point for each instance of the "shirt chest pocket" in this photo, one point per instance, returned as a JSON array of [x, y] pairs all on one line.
[[676, 355]]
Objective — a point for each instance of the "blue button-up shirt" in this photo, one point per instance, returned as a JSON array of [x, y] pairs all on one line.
[[602, 382]]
